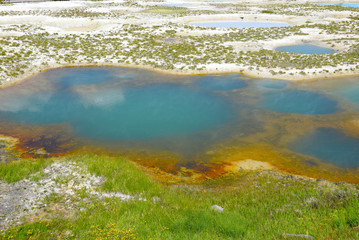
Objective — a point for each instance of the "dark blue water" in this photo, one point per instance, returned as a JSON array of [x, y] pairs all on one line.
[[349, 92], [241, 24], [298, 101], [221, 82], [329, 145], [355, 5], [305, 49]]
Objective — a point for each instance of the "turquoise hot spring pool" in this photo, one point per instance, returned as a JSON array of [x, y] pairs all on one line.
[[194, 119]]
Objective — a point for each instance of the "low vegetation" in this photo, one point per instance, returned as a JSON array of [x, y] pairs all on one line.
[[15, 171], [257, 205], [28, 47], [135, 44]]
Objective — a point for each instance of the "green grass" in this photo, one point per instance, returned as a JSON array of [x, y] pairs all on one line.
[[256, 206], [15, 171], [122, 175], [267, 11]]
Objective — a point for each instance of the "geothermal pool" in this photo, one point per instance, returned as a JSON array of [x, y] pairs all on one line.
[[194, 122], [355, 5], [177, 5], [305, 48]]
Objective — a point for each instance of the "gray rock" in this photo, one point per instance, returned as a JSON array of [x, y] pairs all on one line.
[[156, 199], [25, 198], [217, 208], [298, 236]]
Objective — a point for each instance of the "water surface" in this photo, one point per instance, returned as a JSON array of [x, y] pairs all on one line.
[[97, 105], [329, 145], [176, 5], [305, 49], [221, 82], [272, 84], [171, 121], [350, 92], [149, 112], [298, 101], [355, 5]]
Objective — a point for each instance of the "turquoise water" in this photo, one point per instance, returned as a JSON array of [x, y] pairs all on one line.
[[119, 112], [305, 49], [159, 110], [298, 101], [122, 109], [176, 5], [241, 24], [78, 76], [221, 82], [349, 92], [329, 145], [355, 5], [272, 84]]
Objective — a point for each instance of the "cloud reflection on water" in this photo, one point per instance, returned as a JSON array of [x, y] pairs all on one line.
[[92, 96]]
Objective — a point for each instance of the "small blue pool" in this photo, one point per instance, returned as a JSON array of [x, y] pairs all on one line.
[[305, 49], [176, 5], [355, 5]]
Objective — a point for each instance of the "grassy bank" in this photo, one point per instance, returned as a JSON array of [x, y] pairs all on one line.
[[257, 205]]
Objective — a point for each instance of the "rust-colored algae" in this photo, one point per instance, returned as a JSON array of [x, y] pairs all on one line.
[[261, 144], [170, 167], [39, 141], [288, 162]]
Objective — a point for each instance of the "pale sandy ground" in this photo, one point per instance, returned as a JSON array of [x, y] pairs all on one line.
[[214, 68], [248, 165], [79, 25], [246, 18]]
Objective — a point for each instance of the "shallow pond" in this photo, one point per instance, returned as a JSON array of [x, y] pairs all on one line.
[[240, 24], [272, 84], [305, 49], [219, 83], [330, 145], [298, 101], [355, 5], [194, 122], [176, 5]]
